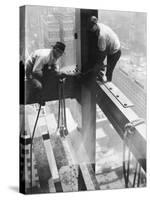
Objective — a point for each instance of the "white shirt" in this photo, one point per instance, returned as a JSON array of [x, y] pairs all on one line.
[[37, 61], [108, 40]]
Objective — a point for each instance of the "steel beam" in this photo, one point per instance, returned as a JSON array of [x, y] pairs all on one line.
[[119, 116]]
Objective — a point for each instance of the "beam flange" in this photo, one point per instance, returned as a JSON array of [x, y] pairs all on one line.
[[119, 116]]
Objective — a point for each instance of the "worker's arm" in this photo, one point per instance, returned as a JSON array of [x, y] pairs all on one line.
[[37, 71], [102, 50], [29, 66]]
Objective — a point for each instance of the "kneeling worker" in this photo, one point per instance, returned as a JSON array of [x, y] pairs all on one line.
[[40, 63]]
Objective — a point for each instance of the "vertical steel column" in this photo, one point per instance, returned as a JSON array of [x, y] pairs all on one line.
[[88, 101]]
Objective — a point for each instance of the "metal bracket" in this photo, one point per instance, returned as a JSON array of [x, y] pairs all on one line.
[[119, 118], [130, 127], [123, 100]]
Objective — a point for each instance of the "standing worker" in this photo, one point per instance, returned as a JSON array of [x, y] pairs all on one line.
[[38, 66], [107, 44]]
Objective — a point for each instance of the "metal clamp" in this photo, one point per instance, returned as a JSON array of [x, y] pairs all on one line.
[[130, 130], [130, 127]]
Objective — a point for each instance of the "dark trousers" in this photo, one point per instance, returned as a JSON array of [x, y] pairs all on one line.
[[34, 90], [111, 63], [39, 85]]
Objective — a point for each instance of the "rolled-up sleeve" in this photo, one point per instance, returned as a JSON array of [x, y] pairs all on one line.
[[38, 67], [102, 44], [29, 67]]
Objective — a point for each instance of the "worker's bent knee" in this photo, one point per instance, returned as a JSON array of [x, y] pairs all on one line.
[[37, 84]]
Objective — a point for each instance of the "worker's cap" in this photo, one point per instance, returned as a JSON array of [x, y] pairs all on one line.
[[60, 46]]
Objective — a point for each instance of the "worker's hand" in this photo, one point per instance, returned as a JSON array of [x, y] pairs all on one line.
[[61, 74], [53, 67], [37, 84], [101, 77]]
